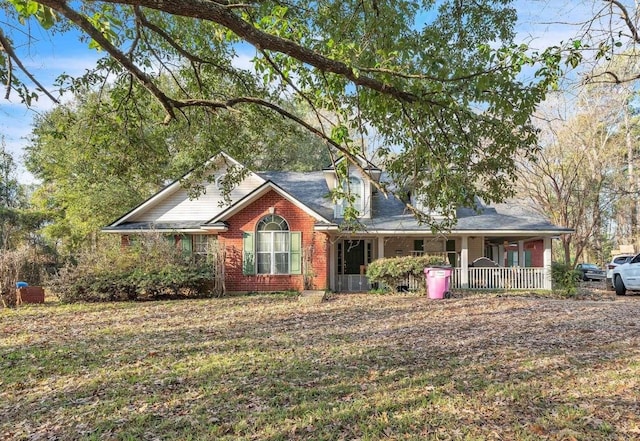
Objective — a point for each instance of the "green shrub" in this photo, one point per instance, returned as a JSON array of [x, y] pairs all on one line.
[[392, 271], [154, 270], [565, 278]]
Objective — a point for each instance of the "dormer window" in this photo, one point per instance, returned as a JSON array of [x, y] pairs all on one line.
[[415, 201], [355, 188], [419, 204]]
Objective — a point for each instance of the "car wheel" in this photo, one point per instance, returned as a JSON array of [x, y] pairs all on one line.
[[584, 277], [619, 284]]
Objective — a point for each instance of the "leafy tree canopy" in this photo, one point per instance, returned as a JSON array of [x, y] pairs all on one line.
[[97, 158], [435, 84], [18, 221]]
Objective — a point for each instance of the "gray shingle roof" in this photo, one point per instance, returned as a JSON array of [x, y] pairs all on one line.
[[391, 214], [388, 213], [159, 226], [310, 188]]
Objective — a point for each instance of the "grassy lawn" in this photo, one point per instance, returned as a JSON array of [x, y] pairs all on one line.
[[361, 367]]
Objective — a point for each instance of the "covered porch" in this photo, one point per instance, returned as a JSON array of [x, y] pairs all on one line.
[[519, 262]]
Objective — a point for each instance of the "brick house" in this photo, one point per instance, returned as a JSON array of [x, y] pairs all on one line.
[[280, 231]]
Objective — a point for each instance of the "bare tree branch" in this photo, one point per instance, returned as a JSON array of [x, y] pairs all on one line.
[[627, 19], [8, 48]]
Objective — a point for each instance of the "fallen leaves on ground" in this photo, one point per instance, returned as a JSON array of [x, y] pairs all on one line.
[[358, 366]]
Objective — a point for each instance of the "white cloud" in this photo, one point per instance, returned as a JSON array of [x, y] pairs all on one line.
[[15, 126], [14, 138], [544, 23], [68, 64], [244, 58]]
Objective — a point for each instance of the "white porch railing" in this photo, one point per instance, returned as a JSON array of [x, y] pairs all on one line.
[[444, 255], [501, 278], [479, 278], [352, 283], [358, 283]]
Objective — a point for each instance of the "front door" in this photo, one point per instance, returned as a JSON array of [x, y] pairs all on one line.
[[353, 256]]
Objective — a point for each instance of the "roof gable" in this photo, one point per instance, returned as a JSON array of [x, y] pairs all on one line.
[[173, 203]]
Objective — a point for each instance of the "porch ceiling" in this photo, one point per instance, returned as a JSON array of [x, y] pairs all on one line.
[[499, 240]]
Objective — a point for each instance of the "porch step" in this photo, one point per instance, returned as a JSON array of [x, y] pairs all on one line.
[[312, 296]]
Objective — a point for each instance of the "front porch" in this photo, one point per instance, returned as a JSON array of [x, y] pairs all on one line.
[[510, 278], [522, 264]]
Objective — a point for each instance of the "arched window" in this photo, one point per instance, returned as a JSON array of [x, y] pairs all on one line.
[[272, 246]]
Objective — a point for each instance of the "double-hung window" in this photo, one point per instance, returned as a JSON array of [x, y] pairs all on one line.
[[203, 246]]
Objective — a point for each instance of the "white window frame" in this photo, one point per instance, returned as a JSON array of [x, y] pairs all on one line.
[[200, 244], [272, 241]]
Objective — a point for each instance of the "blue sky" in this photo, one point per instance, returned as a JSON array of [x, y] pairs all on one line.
[[47, 56]]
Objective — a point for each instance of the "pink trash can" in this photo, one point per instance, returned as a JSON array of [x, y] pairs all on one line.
[[437, 281]]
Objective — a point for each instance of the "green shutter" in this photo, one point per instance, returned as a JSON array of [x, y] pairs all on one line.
[[527, 259], [186, 245], [248, 254], [296, 252], [172, 240]]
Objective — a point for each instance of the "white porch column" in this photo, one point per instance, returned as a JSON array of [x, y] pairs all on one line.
[[380, 247], [547, 263], [332, 263], [500, 260], [521, 260], [464, 263]]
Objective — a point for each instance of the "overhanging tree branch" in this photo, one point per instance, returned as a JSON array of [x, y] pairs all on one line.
[[223, 15], [624, 13], [117, 54], [6, 46], [274, 107]]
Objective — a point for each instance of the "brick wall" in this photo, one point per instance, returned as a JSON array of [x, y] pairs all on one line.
[[536, 247], [537, 252], [315, 248]]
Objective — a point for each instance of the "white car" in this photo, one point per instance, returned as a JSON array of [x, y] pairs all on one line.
[[616, 260], [627, 276]]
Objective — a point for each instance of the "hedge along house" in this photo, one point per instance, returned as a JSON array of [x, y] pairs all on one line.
[[280, 231]]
